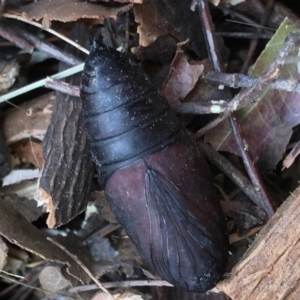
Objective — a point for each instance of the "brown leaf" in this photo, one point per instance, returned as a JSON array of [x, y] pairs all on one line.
[[67, 11], [182, 78], [267, 124], [172, 17], [18, 230], [29, 208], [30, 151]]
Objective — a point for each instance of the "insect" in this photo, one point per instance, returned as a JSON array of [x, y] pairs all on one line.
[[156, 182]]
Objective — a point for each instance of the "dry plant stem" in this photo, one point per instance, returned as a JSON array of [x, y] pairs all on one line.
[[254, 42], [213, 52], [63, 87], [248, 95], [218, 66], [201, 132], [230, 171], [290, 158], [245, 35], [79, 262], [236, 15], [119, 284], [197, 109], [102, 232], [234, 237], [49, 48], [23, 19], [252, 171], [11, 36], [236, 80]]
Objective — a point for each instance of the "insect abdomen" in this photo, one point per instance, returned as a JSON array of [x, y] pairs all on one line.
[[156, 182]]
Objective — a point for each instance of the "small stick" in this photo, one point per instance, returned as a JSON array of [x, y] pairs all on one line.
[[128, 283], [217, 65], [11, 36], [49, 48], [252, 171], [254, 41], [236, 80], [23, 19], [63, 87], [245, 35], [229, 170], [79, 262], [201, 132]]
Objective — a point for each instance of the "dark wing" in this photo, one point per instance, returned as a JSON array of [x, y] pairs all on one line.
[[182, 250]]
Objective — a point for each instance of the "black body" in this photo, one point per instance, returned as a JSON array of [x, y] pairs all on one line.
[[155, 180]]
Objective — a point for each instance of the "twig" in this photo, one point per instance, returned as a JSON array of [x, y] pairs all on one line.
[[23, 19], [41, 83], [234, 237], [290, 45], [128, 283], [217, 65], [10, 35], [245, 35], [230, 171], [252, 171], [79, 262], [49, 48], [201, 132], [290, 158], [254, 42], [63, 87], [236, 80]]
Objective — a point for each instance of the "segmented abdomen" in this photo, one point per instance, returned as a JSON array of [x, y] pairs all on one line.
[[156, 182]]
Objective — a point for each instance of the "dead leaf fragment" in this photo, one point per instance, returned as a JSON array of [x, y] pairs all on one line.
[[18, 230], [174, 17], [29, 208], [182, 78], [290, 158], [9, 70], [29, 151], [270, 269], [52, 279], [67, 11]]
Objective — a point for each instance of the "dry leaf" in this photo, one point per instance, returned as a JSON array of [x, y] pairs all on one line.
[[52, 279], [29, 208], [18, 230], [174, 17], [67, 11], [31, 152], [182, 78]]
